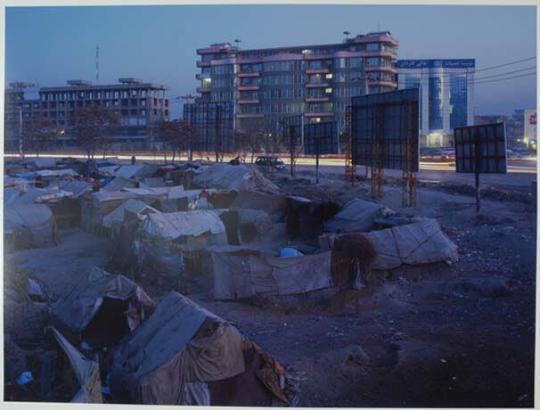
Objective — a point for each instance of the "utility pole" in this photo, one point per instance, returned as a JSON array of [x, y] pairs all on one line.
[[97, 63]]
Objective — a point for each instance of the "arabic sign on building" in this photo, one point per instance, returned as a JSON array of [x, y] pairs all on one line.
[[454, 63]]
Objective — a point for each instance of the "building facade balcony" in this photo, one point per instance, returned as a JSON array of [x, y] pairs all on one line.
[[203, 90], [317, 85], [386, 69], [319, 114], [250, 115], [247, 75], [317, 70], [201, 63], [382, 83], [316, 99], [246, 101], [248, 87]]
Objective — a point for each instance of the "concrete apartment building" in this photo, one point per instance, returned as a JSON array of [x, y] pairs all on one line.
[[139, 105], [446, 96], [265, 86]]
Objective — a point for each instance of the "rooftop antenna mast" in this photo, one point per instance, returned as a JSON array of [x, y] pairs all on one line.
[[347, 33], [97, 62]]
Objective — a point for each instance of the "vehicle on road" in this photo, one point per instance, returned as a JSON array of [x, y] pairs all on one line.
[[237, 161], [270, 162], [448, 154], [430, 153]]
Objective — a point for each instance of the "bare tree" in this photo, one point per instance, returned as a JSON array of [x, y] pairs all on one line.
[[251, 141], [38, 133], [93, 126], [177, 136]]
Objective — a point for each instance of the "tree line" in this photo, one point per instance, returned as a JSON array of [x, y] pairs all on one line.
[[93, 129]]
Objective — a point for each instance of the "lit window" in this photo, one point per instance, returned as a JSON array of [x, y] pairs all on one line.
[[328, 90], [329, 76]]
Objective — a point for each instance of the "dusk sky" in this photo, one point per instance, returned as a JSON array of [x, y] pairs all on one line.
[[157, 43]]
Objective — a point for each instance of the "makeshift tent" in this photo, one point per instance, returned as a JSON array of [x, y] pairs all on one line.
[[98, 204], [239, 275], [77, 188], [412, 244], [163, 240], [137, 171], [183, 354], [356, 216], [229, 177], [44, 162], [55, 173], [103, 308], [305, 218], [118, 183], [268, 202], [27, 226], [134, 206], [78, 373]]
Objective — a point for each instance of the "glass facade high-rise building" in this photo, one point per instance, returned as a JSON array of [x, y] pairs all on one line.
[[316, 82], [446, 96]]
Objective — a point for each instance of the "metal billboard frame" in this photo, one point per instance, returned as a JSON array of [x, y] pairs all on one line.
[[481, 149], [384, 134]]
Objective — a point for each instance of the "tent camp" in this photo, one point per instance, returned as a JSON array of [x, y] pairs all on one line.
[[27, 226], [163, 239], [183, 354], [102, 309], [233, 177], [73, 375], [356, 216], [412, 244], [247, 274]]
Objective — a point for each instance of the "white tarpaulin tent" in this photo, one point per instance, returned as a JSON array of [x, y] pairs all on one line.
[[184, 354], [30, 225], [134, 206], [171, 226], [163, 240]]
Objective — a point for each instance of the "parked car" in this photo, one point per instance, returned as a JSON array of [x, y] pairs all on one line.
[[430, 153], [270, 161], [236, 161], [448, 154]]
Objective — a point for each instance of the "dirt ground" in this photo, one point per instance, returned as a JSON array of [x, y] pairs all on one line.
[[435, 335]]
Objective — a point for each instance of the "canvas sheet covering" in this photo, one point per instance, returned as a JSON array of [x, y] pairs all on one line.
[[232, 177], [131, 205], [78, 308], [416, 243], [170, 226], [166, 361], [86, 371], [34, 218], [357, 215], [412, 244], [237, 277]]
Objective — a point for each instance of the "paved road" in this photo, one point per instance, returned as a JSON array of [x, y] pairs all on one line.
[[521, 172]]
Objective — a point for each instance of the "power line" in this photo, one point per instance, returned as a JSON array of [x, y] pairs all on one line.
[[507, 64], [476, 80], [507, 78], [488, 67]]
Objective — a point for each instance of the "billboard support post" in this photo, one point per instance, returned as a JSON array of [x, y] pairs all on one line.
[[317, 155]]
